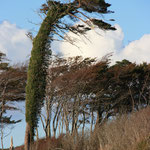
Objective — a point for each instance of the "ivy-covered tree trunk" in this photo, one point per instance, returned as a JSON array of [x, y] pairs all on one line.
[[36, 76]]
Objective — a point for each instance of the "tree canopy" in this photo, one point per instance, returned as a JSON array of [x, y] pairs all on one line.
[[84, 91]]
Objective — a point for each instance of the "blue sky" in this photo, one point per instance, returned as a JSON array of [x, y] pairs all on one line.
[[20, 12], [130, 41], [132, 16]]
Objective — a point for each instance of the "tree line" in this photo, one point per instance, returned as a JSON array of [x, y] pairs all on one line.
[[86, 92], [81, 93]]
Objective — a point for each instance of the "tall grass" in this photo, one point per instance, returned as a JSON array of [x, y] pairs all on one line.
[[126, 132]]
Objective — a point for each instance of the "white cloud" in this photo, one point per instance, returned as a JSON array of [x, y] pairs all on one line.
[[104, 42], [14, 42], [137, 51], [17, 45], [97, 44]]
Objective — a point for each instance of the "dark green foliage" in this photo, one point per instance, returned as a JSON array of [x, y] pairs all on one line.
[[78, 10], [7, 120], [35, 89], [99, 6], [3, 61], [103, 25], [126, 87]]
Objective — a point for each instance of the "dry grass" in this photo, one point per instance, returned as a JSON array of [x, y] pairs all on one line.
[[127, 132]]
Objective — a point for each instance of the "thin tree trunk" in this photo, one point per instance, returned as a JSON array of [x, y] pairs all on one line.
[[1, 115], [59, 126], [48, 114], [49, 131], [99, 117], [92, 120], [27, 143], [56, 122], [48, 126], [11, 144], [83, 123], [132, 99], [37, 134], [2, 137], [73, 115], [62, 122], [66, 122]]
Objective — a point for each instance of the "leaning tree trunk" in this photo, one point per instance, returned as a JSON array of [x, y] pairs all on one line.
[[36, 76]]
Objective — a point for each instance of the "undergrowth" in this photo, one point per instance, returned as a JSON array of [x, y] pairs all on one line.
[[125, 132]]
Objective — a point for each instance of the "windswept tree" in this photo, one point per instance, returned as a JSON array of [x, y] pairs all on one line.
[[63, 92], [12, 88], [54, 24], [85, 91], [78, 89]]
